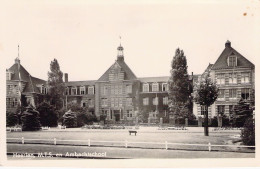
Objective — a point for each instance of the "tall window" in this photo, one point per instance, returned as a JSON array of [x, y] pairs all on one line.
[[221, 78], [155, 87], [155, 101], [129, 101], [221, 93], [128, 88], [112, 89], [221, 109], [66, 91], [232, 61], [82, 90], [112, 102], [74, 91], [120, 89], [232, 78], [90, 102], [245, 93], [203, 110], [164, 87], [244, 77], [91, 90], [120, 102], [116, 102], [165, 101], [129, 113], [146, 87], [232, 93], [146, 101], [104, 90]]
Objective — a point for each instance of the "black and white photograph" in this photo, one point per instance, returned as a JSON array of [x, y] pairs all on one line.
[[129, 80]]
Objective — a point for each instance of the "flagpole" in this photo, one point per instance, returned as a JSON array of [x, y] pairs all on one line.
[[19, 83]]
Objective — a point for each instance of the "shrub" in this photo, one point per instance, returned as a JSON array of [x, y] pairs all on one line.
[[30, 119], [248, 132], [48, 115], [11, 119], [70, 119]]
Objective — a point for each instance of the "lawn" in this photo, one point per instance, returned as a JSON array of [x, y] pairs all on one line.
[[215, 138]]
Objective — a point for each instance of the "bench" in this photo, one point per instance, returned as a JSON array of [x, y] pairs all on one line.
[[132, 131]]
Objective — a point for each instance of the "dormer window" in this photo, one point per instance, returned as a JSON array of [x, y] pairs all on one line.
[[91, 90], [146, 87], [155, 87], [232, 61], [82, 90], [74, 91], [8, 75]]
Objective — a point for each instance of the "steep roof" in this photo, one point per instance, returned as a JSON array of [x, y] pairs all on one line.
[[129, 75], [80, 83], [31, 81], [221, 62]]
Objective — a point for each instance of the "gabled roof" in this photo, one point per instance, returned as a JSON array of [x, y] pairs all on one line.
[[31, 82], [80, 83], [221, 62], [129, 75]]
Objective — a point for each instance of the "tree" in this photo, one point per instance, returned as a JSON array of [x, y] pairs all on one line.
[[179, 90], [248, 132], [70, 119], [30, 119], [56, 85], [11, 119], [205, 94], [242, 111], [48, 115]]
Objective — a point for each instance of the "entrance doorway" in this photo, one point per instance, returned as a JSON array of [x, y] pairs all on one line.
[[117, 115]]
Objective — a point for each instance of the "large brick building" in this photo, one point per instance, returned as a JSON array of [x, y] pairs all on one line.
[[235, 78], [119, 94]]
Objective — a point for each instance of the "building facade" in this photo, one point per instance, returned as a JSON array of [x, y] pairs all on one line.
[[120, 95], [22, 88], [235, 78]]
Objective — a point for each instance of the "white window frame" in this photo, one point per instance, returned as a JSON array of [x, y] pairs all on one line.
[[146, 86], [245, 77], [129, 101], [221, 78], [156, 101], [91, 90], [165, 100], [104, 102], [155, 87], [129, 113], [166, 88], [235, 62], [232, 93], [146, 101], [75, 88], [232, 78], [82, 89]]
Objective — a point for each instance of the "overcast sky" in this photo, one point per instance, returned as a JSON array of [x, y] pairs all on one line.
[[83, 36]]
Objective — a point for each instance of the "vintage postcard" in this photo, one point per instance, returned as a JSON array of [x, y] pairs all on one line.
[[129, 83]]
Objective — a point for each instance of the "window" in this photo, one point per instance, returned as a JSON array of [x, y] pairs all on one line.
[[11, 102], [165, 101], [221, 78], [120, 89], [46, 90], [74, 91], [112, 102], [221, 109], [232, 93], [66, 91], [104, 102], [8, 75], [146, 101], [129, 102], [203, 110], [112, 89], [146, 87], [129, 113], [155, 87], [82, 90], [153, 114], [232, 78], [155, 101], [164, 87], [245, 93], [116, 89], [128, 88], [120, 102], [8, 102], [244, 77], [116, 102], [232, 61], [221, 93], [83, 104], [91, 90], [104, 90]]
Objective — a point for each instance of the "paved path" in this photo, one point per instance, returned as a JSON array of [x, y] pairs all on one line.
[[113, 152]]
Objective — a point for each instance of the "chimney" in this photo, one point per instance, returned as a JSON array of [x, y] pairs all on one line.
[[228, 44], [66, 77]]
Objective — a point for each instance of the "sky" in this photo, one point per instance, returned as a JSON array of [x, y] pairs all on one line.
[[84, 35]]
